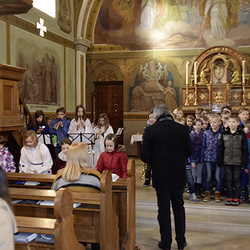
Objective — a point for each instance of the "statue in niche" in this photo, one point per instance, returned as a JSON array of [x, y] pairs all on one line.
[[64, 16]]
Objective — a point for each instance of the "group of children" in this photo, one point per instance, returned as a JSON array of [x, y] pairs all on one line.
[[220, 146], [71, 166], [36, 157]]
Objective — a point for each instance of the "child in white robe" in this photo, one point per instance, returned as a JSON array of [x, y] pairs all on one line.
[[102, 129], [35, 156]]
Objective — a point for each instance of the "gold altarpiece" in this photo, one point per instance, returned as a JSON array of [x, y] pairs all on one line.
[[222, 78]]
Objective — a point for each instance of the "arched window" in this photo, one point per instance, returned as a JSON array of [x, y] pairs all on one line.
[[46, 6]]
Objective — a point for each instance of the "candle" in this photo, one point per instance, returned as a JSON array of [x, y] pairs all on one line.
[[92, 106], [195, 73], [187, 73], [243, 72]]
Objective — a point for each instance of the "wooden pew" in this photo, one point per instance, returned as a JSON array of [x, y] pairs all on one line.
[[123, 200], [124, 206], [62, 227], [45, 180], [95, 220]]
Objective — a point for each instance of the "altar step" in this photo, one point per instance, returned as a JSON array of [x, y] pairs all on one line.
[[202, 217]]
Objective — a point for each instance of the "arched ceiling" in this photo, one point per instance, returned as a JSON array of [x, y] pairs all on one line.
[[87, 18]]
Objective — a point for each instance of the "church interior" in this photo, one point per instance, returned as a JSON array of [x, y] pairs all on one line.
[[123, 57]]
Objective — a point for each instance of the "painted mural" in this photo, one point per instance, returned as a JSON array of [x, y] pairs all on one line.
[[41, 80], [161, 24], [153, 85]]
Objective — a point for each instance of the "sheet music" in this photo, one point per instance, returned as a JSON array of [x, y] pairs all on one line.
[[87, 138], [44, 138], [119, 131]]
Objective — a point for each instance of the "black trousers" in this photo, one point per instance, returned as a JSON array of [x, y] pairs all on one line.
[[233, 174], [148, 172], [164, 196]]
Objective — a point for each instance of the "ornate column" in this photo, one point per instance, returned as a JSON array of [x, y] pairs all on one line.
[[81, 44]]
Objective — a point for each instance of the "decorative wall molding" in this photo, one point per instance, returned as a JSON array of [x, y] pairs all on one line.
[[82, 44], [29, 27]]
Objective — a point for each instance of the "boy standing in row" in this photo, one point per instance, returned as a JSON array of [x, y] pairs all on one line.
[[233, 155], [209, 152], [243, 115]]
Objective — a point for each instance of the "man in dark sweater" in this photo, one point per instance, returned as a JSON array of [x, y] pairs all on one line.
[[166, 146]]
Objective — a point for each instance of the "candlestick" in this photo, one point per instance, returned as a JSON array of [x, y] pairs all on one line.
[[243, 72], [195, 73], [187, 73]]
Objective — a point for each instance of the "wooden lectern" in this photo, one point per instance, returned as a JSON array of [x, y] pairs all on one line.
[[10, 116]]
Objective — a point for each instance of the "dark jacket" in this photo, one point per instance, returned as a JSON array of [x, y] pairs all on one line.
[[233, 149], [165, 147], [210, 145], [59, 163], [196, 140]]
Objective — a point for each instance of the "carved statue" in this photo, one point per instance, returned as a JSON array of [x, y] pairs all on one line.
[[235, 77], [219, 99], [235, 73], [203, 75]]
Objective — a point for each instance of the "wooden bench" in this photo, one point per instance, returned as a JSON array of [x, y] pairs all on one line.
[[95, 220], [123, 200], [45, 180], [62, 227]]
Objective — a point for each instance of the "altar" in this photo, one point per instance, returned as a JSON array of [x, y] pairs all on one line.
[[219, 76]]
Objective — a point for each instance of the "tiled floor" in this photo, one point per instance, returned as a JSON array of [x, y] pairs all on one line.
[[198, 215]]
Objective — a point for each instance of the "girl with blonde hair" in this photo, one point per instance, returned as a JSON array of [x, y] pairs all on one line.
[[76, 175], [35, 156], [102, 129]]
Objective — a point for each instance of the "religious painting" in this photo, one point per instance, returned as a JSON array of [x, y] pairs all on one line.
[[43, 60], [153, 85], [161, 24]]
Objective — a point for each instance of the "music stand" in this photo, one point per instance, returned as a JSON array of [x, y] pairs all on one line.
[[88, 138], [45, 138], [119, 131]]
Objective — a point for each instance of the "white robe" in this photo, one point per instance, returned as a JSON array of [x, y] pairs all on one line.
[[148, 14], [74, 123], [7, 226], [37, 158], [88, 139], [217, 8], [99, 142]]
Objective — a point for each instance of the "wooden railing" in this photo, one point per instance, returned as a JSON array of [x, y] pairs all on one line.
[[25, 113]]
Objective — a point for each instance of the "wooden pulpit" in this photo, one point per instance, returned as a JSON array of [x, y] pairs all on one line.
[[10, 116]]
